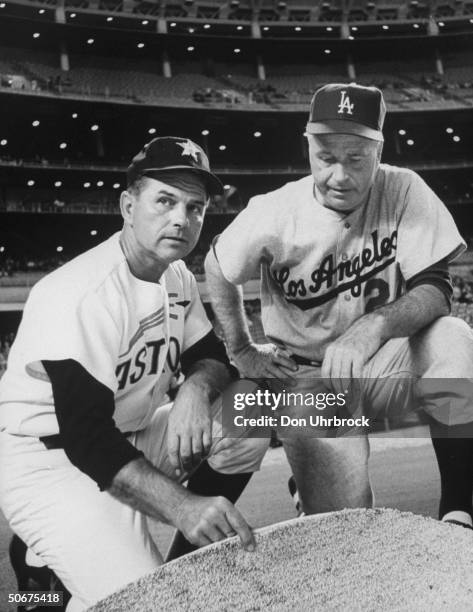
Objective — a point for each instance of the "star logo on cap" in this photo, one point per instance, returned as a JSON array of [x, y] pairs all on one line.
[[189, 148]]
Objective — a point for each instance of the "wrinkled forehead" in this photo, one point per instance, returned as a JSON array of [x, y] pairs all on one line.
[[178, 182], [342, 143]]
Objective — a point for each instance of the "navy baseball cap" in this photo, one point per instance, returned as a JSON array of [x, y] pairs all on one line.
[[347, 108], [173, 153]]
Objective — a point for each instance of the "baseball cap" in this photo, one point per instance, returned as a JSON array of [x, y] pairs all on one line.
[[347, 108], [173, 153]]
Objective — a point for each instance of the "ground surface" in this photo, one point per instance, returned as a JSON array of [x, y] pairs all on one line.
[[404, 475]]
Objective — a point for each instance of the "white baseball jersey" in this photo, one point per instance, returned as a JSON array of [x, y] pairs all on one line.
[[321, 270], [127, 333]]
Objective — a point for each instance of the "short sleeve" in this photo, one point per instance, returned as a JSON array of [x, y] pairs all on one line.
[[426, 231], [56, 327], [245, 243], [196, 322]]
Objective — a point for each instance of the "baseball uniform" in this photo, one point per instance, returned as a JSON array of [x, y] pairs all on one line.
[[128, 334]]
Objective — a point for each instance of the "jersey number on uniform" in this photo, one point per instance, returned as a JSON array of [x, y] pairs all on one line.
[[376, 293]]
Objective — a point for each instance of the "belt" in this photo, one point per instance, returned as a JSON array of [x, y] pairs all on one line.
[[304, 361], [56, 440]]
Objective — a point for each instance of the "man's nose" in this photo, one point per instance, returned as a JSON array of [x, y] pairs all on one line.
[[179, 215], [339, 173]]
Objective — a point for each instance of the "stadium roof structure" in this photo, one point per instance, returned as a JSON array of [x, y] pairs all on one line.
[[259, 18]]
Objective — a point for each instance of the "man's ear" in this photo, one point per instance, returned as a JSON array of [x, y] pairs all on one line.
[[127, 202]]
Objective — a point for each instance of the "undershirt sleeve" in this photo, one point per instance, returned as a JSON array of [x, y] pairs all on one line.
[[436, 275], [84, 409]]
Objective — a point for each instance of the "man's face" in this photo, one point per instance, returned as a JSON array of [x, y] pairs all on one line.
[[165, 218], [344, 168]]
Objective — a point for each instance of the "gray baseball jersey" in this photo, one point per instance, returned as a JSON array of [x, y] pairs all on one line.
[[321, 270]]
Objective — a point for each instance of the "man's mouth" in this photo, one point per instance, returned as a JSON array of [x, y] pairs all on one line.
[[175, 239]]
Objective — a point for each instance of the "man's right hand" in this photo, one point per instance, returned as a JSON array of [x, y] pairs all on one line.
[[265, 361], [204, 520]]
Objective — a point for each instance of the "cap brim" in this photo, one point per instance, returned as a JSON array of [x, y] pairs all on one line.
[[343, 126], [213, 183]]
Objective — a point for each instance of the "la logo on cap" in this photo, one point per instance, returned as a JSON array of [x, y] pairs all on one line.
[[345, 105]]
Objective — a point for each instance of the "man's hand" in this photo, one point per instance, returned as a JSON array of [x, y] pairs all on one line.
[[346, 357], [204, 520], [189, 431], [265, 361]]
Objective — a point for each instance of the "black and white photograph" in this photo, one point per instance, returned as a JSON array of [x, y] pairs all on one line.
[[236, 305]]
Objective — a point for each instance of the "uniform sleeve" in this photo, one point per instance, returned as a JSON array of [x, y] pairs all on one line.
[[196, 322], [56, 327], [246, 242], [426, 231], [84, 409]]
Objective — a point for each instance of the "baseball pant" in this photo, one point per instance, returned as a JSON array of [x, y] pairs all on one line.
[[433, 370], [92, 541]]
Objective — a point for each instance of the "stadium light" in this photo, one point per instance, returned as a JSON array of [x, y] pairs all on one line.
[[59, 249], [58, 184], [4, 142], [41, 11], [116, 185], [94, 128], [36, 35], [90, 41], [402, 132], [72, 15], [191, 30], [441, 24], [207, 26], [63, 145], [93, 232], [327, 51], [298, 28], [2, 249], [2, 5], [354, 29], [144, 22], [99, 183], [140, 45], [35, 123], [74, 115], [190, 49], [205, 132], [351, 38], [173, 24], [236, 50], [226, 187], [109, 19], [257, 134], [456, 138], [385, 27], [329, 29], [152, 131], [471, 20], [222, 147], [410, 142], [87, 185], [239, 28], [449, 130], [266, 28], [416, 26], [30, 183]]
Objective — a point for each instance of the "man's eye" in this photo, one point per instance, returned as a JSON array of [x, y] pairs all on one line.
[[164, 200], [196, 209]]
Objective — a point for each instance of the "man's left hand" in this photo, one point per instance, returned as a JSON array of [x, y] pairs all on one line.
[[346, 357], [189, 431]]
